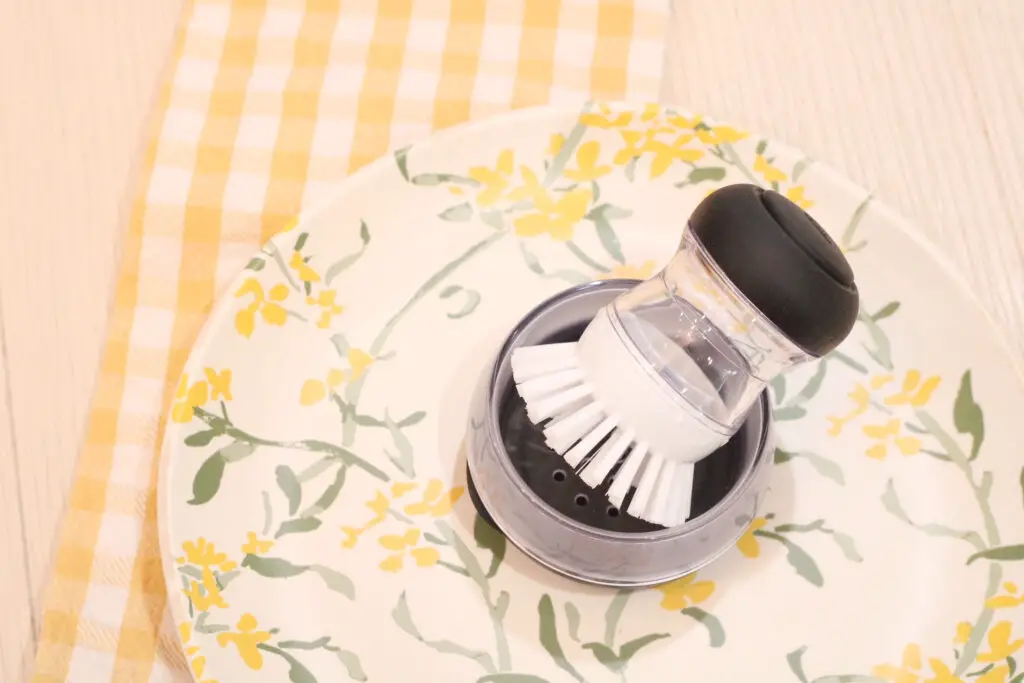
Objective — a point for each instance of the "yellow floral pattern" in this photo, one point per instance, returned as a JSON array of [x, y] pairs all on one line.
[[268, 305], [197, 662], [315, 390], [246, 637], [406, 543], [748, 544], [187, 397], [685, 592]]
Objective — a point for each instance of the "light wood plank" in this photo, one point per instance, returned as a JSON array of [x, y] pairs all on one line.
[[902, 97], [78, 80]]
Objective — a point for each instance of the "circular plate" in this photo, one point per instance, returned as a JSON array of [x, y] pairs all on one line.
[[313, 511]]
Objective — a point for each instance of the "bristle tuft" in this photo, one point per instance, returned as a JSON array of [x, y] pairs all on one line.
[[607, 457], [561, 434], [574, 456]]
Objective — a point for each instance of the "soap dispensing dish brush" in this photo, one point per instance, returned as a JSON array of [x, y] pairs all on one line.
[[666, 372]]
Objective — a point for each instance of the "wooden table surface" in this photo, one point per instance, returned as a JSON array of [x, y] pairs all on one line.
[[919, 100]]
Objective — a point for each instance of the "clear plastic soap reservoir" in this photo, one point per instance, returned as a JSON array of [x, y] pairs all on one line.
[[737, 305]]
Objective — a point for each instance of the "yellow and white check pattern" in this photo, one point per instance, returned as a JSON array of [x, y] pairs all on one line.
[[267, 105]]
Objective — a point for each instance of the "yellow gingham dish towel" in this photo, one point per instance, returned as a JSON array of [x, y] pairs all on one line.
[[267, 105]]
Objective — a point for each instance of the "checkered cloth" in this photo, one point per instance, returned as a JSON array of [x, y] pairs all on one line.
[[267, 105]]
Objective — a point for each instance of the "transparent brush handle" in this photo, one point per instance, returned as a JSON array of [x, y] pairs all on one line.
[[702, 337]]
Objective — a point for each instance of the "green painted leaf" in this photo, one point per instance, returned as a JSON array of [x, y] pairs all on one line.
[[364, 232], [549, 637], [572, 615], [761, 147], [202, 438], [236, 450], [1019, 678], [403, 619], [1012, 664], [801, 167], [335, 580], [207, 479], [493, 218], [605, 656], [609, 240], [629, 650], [340, 344], [716, 634], [800, 528], [304, 644], [778, 386], [846, 360], [886, 310], [511, 678], [795, 664], [301, 525], [708, 173], [404, 459], [882, 352], [1004, 553], [798, 558], [813, 385], [630, 169], [350, 660], [459, 212], [256, 264], [300, 242], [967, 415], [434, 179], [825, 467], [401, 160], [491, 539], [847, 546], [290, 486], [272, 567], [470, 304], [466, 555], [412, 418], [782, 456], [340, 266], [330, 494], [789, 413], [531, 260]]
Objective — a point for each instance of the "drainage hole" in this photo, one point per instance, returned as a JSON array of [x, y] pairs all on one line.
[[581, 499], [558, 475], [613, 511]]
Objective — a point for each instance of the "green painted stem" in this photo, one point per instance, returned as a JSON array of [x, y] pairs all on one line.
[[730, 156], [586, 260], [272, 248], [995, 572], [612, 616]]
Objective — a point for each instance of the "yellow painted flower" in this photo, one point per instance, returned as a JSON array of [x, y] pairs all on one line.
[[907, 672], [255, 546], [719, 135], [220, 383], [586, 161], [999, 644], [770, 173], [605, 118], [315, 390], [197, 663], [424, 556], [555, 145], [246, 638], [555, 218], [943, 674], [887, 433], [652, 110], [665, 154], [963, 633], [435, 500], [302, 268], [400, 488], [188, 397], [203, 554], [684, 123], [206, 593], [998, 674], [914, 392], [796, 195], [271, 311], [748, 543], [290, 225], [379, 505], [1011, 598], [635, 141], [861, 398], [494, 181], [640, 272], [684, 592], [328, 307]]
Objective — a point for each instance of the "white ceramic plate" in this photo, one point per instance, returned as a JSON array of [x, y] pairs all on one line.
[[313, 514]]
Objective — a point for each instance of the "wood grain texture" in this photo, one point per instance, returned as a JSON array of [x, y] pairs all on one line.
[[77, 82], [917, 100]]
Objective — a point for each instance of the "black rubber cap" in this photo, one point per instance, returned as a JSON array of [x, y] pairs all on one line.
[[782, 261]]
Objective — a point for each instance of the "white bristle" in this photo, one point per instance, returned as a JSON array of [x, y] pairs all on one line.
[[563, 433], [645, 489], [682, 493], [604, 460], [662, 502], [543, 385], [533, 362], [626, 474], [549, 406], [546, 350], [574, 456]]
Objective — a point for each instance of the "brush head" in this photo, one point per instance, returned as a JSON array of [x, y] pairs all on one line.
[[782, 261]]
